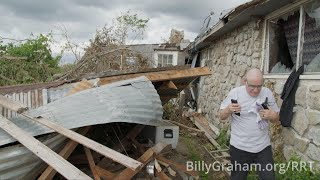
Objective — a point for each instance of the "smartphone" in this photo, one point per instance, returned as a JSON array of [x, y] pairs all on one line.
[[234, 101], [265, 104]]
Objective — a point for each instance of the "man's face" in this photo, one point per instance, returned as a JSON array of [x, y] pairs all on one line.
[[253, 87]]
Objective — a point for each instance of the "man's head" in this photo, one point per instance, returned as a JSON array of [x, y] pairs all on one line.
[[253, 82]]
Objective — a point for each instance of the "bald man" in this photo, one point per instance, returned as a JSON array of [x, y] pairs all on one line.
[[250, 141]]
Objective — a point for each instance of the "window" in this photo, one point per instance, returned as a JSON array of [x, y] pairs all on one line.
[[293, 39], [165, 60]]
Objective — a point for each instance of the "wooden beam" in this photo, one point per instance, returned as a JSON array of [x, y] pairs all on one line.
[[145, 159], [133, 133], [180, 167], [110, 153], [161, 75], [91, 163], [65, 168], [168, 85], [104, 173], [12, 105], [162, 175], [49, 173], [65, 153]]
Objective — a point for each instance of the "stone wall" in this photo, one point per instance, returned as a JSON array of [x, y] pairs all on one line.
[[228, 59], [303, 138]]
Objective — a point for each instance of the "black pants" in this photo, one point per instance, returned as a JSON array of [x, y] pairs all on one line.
[[242, 160]]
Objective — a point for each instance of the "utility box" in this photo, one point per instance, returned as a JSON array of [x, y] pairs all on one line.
[[167, 133], [162, 131]]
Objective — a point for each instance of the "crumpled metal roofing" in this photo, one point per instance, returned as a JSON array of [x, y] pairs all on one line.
[[134, 101], [18, 162]]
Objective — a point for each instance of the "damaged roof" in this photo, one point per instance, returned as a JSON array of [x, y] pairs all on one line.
[[132, 101], [180, 76], [241, 15]]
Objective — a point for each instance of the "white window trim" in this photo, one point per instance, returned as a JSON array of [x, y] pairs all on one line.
[[298, 5]]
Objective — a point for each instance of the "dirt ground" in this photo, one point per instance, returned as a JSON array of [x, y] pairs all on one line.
[[192, 147]]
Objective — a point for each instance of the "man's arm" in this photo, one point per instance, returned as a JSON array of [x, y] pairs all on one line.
[[226, 112], [269, 114], [274, 118]]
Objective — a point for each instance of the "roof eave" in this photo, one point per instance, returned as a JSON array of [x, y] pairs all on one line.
[[239, 16]]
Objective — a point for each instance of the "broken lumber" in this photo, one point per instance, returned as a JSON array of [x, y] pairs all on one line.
[[202, 124], [104, 173], [12, 105], [65, 168], [49, 173], [107, 152], [92, 165], [145, 159], [175, 165], [65, 153], [110, 153], [161, 75]]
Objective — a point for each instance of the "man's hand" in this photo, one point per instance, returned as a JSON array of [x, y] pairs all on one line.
[[270, 115], [234, 108], [231, 108]]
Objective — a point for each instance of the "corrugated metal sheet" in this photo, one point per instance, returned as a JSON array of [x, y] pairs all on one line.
[[134, 100], [17, 162], [33, 99]]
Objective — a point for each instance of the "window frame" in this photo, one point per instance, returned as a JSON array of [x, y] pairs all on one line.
[[265, 40], [161, 61]]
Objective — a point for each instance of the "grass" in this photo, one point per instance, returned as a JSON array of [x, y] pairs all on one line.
[[194, 155]]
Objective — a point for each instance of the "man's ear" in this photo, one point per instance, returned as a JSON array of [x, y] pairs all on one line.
[[243, 80]]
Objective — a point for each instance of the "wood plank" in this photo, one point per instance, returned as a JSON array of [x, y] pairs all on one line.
[[180, 167], [12, 105], [110, 153], [104, 173], [145, 159], [92, 165], [168, 85], [161, 75], [162, 175], [65, 168], [134, 132], [49, 173]]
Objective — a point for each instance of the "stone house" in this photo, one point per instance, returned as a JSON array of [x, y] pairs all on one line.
[[277, 37]]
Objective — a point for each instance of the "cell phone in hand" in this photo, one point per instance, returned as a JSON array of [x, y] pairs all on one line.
[[265, 104], [234, 101]]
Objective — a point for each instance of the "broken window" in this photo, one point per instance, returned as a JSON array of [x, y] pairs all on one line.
[[165, 60], [293, 39]]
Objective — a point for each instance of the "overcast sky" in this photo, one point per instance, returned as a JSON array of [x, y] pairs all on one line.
[[81, 18]]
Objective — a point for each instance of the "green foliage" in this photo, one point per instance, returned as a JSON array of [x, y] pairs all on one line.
[[194, 155], [291, 170], [30, 61], [295, 169], [127, 23], [168, 110], [132, 20], [223, 138]]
